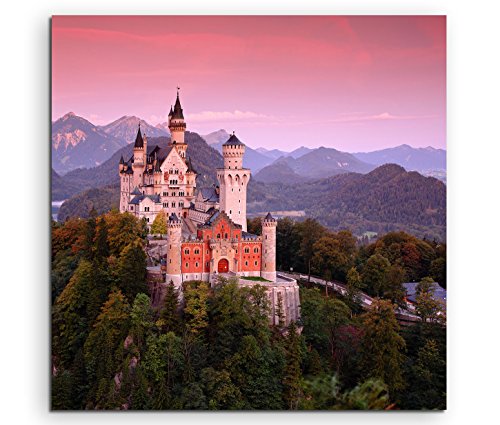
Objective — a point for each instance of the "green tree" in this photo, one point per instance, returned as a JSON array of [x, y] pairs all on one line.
[[142, 322], [101, 250], [438, 271], [429, 373], [159, 225], [382, 346], [335, 314], [169, 314], [310, 231], [329, 259], [220, 391], [255, 371], [292, 380], [196, 307], [371, 394], [354, 287], [426, 306], [393, 286], [163, 362], [374, 274], [103, 348], [131, 270]]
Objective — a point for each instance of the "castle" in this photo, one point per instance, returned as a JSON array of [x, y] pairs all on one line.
[[207, 232]]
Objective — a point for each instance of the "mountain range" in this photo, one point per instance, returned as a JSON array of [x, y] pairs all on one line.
[[77, 142], [317, 163], [125, 128], [413, 159]]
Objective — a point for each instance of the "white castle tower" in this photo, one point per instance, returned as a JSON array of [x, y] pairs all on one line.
[[269, 224], [174, 230], [233, 181]]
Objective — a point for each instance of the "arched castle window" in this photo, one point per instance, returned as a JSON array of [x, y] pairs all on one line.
[[256, 263], [256, 250], [246, 263], [186, 251], [218, 235], [225, 235], [196, 251], [247, 250], [196, 265]]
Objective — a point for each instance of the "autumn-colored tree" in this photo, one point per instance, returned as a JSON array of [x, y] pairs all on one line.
[[382, 347], [159, 225]]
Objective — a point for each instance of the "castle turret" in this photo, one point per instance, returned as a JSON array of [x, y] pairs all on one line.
[[177, 127], [269, 224], [233, 180], [139, 163], [174, 229]]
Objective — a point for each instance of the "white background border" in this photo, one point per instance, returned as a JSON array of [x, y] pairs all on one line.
[[473, 229]]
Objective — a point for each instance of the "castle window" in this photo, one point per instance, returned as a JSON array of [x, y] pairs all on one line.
[[196, 265], [173, 193], [207, 249], [256, 250], [246, 263], [187, 265], [266, 236], [247, 250], [147, 219], [131, 207], [165, 205], [173, 204], [165, 194], [256, 263], [225, 235], [218, 235], [196, 251], [230, 211], [186, 251]]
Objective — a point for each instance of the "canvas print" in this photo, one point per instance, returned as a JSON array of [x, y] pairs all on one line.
[[248, 213]]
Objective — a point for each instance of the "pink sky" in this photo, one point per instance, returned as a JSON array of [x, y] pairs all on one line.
[[355, 83]]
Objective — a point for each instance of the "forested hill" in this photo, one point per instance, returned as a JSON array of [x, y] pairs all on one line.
[[386, 199], [205, 161]]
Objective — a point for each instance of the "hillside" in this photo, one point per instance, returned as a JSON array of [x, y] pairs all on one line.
[[60, 188], [102, 199], [388, 198], [279, 172], [77, 142], [318, 163]]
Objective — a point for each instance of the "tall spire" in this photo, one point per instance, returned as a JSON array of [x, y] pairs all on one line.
[[177, 113], [139, 142]]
